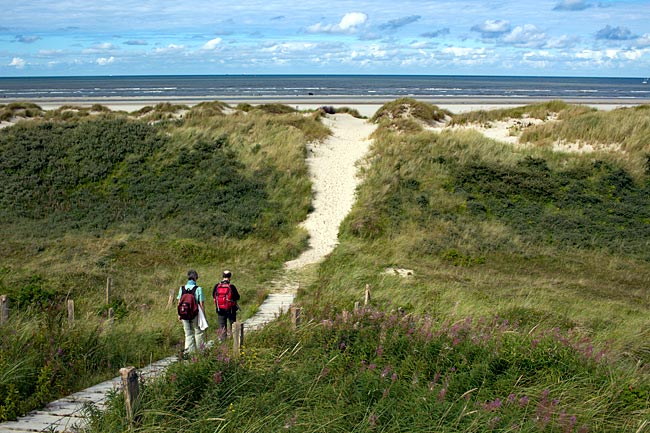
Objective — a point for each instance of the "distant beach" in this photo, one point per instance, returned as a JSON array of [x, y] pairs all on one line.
[[365, 93]]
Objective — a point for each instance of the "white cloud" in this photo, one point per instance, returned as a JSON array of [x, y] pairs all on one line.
[[212, 44], [289, 47], [526, 36], [562, 42], [18, 63], [350, 23], [492, 28], [632, 54], [103, 61], [104, 46], [99, 48], [644, 41], [169, 49], [464, 51], [541, 55], [50, 52], [598, 55]]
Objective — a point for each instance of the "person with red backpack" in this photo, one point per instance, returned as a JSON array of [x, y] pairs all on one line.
[[225, 297], [190, 299]]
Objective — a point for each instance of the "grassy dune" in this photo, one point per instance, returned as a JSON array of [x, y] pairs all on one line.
[[141, 198], [509, 284]]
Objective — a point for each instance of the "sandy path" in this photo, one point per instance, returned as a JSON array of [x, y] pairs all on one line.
[[332, 165]]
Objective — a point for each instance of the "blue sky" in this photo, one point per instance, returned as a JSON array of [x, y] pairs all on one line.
[[554, 38]]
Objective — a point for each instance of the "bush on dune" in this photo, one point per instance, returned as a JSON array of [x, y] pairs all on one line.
[[409, 108]]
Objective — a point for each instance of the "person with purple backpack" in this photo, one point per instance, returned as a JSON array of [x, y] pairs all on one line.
[[190, 299]]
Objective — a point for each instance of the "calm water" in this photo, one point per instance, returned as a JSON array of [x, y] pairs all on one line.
[[270, 86]]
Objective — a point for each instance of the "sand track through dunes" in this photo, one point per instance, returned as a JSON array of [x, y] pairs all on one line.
[[333, 168]]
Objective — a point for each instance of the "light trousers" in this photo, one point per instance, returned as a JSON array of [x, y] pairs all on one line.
[[193, 335]]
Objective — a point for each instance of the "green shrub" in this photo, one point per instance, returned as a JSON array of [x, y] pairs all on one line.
[[409, 108]]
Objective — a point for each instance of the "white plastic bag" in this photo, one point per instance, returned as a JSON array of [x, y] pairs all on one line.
[[203, 322]]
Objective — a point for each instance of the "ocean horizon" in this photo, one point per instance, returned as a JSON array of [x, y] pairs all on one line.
[[323, 86]]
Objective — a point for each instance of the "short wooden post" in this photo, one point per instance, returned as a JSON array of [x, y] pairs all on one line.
[[367, 299], [237, 337], [131, 389], [4, 308], [295, 316], [356, 306], [170, 300], [111, 317], [109, 284], [71, 312]]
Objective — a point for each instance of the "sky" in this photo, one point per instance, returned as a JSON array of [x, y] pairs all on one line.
[[607, 38]]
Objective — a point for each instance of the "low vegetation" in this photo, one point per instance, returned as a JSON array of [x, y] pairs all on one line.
[[111, 194], [542, 111], [409, 109], [626, 129], [509, 283], [374, 370]]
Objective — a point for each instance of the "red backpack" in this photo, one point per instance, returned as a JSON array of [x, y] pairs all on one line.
[[188, 309], [223, 297]]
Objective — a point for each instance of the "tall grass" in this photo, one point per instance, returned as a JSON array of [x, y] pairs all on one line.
[[625, 127], [373, 370], [542, 111], [409, 108], [139, 200], [487, 228]]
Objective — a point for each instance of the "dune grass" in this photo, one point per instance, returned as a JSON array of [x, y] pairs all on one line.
[[508, 294], [542, 111], [508, 291], [141, 199], [373, 370], [628, 128]]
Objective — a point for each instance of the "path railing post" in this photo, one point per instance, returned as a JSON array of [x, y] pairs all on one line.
[[367, 298], [131, 388], [4, 308], [109, 284], [71, 312], [170, 300], [237, 337], [295, 316]]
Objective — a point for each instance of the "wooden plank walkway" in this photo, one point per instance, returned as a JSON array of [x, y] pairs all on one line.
[[67, 415]]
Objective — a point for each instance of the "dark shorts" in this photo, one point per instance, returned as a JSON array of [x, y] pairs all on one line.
[[226, 316]]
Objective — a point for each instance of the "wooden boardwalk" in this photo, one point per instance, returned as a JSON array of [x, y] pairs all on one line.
[[67, 414]]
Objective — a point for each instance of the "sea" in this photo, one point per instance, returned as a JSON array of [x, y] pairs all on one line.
[[322, 86]]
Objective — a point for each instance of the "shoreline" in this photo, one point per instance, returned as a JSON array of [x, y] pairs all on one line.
[[365, 105]]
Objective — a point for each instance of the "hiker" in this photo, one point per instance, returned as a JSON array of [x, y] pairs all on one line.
[[190, 299], [225, 297]]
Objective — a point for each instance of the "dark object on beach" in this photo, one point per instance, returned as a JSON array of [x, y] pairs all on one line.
[[328, 109]]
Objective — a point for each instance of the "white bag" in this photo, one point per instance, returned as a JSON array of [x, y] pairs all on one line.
[[203, 322]]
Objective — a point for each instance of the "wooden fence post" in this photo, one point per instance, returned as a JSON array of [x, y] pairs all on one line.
[[131, 389], [356, 306], [109, 284], [71, 312], [367, 299], [237, 337], [170, 300], [295, 316], [4, 308], [111, 318]]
